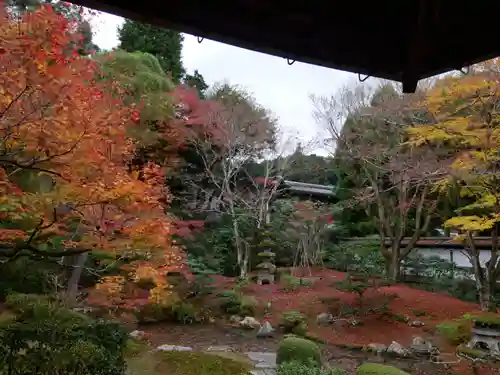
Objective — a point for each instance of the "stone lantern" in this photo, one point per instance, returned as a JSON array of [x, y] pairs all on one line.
[[486, 333]]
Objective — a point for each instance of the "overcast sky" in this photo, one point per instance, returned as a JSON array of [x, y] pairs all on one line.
[[281, 88]]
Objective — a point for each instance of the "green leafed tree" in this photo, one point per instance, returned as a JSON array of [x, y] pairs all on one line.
[[197, 81], [164, 44], [143, 81]]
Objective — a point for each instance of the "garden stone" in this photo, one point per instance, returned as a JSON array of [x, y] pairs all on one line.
[[324, 319], [397, 348], [266, 371], [137, 334], [235, 319], [377, 348], [416, 323], [249, 323], [174, 348], [220, 348], [266, 330], [262, 360]]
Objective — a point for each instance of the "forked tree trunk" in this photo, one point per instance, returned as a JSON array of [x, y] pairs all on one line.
[[486, 277]]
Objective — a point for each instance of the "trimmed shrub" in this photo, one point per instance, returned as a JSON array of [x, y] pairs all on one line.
[[234, 302], [455, 332], [378, 369], [289, 283], [298, 349], [293, 321], [45, 338]]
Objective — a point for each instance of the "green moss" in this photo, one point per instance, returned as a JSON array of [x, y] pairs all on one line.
[[470, 352], [378, 369], [455, 332], [135, 348], [486, 319], [189, 363], [298, 349], [185, 363]]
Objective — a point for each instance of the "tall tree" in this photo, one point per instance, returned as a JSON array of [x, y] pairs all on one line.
[[73, 13], [465, 121], [164, 44], [392, 183], [197, 81], [66, 186]]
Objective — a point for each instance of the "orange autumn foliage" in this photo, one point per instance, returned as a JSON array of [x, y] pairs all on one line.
[[67, 131]]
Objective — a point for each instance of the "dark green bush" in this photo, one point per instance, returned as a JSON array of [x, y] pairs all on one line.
[[297, 349], [234, 302], [33, 307], [186, 313], [378, 369], [293, 322], [27, 275], [289, 283], [361, 256], [45, 338]]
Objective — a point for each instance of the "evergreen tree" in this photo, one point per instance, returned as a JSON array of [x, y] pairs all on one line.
[[164, 44], [197, 81]]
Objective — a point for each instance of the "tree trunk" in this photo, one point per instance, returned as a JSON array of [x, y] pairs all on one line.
[[392, 267], [483, 284], [74, 279], [485, 297], [244, 264]]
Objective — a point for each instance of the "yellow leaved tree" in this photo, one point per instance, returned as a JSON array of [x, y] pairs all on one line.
[[466, 111]]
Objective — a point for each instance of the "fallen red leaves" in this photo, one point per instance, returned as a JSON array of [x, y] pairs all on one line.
[[430, 308]]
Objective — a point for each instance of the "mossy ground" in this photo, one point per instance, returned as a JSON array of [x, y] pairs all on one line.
[[143, 361]]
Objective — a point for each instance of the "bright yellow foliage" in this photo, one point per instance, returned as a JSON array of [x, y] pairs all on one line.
[[466, 121]]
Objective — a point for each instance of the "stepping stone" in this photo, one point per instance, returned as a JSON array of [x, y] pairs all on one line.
[[262, 360], [174, 348], [267, 371]]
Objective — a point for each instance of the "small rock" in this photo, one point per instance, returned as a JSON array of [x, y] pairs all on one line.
[[262, 360], [235, 319], [249, 323], [377, 348], [324, 319], [220, 348], [416, 323], [417, 340], [397, 348], [266, 330], [137, 334], [174, 348]]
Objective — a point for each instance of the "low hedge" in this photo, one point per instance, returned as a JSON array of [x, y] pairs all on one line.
[[297, 349]]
